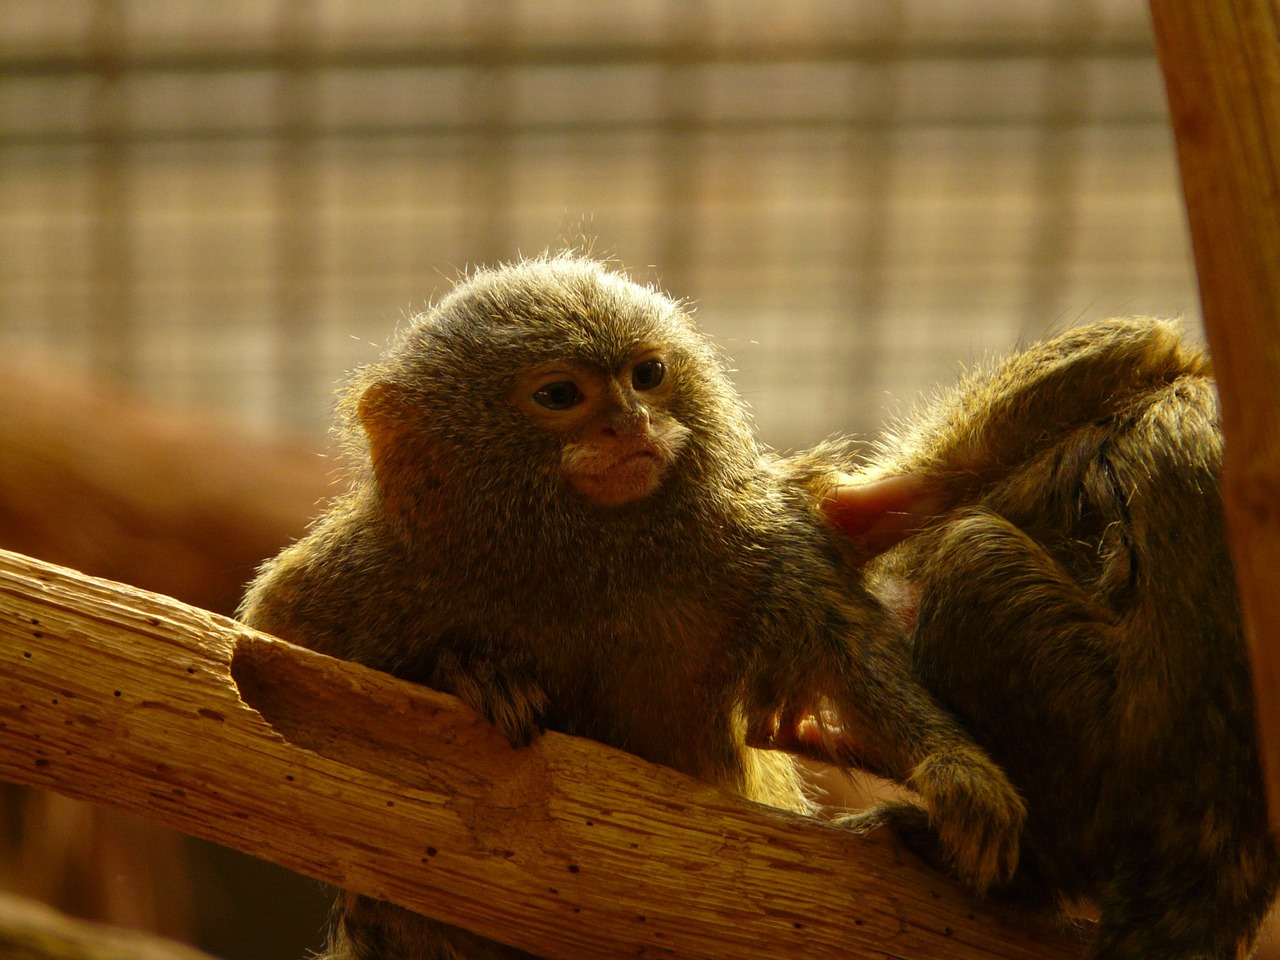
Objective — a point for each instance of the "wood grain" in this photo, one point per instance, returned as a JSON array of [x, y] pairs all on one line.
[[567, 848], [1221, 62]]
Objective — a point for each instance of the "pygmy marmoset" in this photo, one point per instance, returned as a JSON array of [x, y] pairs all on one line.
[[1065, 590], [561, 514]]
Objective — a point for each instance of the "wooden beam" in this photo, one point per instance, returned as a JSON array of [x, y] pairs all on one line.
[[567, 848], [1221, 62]]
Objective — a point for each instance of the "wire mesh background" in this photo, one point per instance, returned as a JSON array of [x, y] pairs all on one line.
[[227, 205]]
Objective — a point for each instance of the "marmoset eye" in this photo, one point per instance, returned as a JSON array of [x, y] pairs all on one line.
[[561, 395], [648, 374]]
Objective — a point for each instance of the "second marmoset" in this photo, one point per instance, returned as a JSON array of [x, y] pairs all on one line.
[[560, 513], [1065, 584]]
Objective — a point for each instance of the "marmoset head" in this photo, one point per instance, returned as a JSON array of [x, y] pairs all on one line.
[[547, 379]]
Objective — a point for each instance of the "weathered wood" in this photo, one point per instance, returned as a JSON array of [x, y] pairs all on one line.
[[98, 479], [566, 848], [1221, 61]]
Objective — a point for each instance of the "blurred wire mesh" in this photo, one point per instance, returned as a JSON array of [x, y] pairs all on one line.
[[227, 205]]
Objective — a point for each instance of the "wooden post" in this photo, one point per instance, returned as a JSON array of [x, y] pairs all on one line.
[[567, 848], [1221, 62]]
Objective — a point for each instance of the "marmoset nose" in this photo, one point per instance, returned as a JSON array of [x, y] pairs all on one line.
[[630, 421]]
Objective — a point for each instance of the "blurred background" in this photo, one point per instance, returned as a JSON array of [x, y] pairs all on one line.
[[226, 205], [208, 212]]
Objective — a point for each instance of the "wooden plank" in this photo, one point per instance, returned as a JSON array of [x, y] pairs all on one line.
[[1221, 62], [567, 848]]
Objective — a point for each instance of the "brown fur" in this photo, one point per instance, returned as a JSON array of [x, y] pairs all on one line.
[[1070, 598]]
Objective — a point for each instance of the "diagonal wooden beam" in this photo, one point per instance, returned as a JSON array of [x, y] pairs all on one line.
[[1221, 62], [567, 848]]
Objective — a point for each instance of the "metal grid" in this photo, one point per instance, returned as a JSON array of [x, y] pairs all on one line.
[[227, 205]]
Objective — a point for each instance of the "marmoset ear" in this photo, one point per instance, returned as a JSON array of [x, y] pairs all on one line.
[[399, 450], [383, 412]]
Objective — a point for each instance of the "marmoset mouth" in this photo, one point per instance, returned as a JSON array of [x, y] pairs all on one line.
[[631, 477], [647, 460]]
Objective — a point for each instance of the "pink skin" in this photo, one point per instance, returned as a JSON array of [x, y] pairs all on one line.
[[880, 514], [632, 476]]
